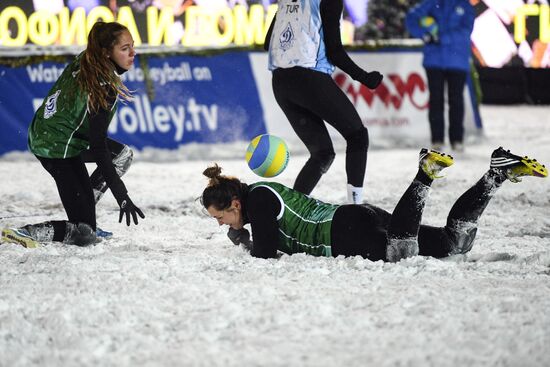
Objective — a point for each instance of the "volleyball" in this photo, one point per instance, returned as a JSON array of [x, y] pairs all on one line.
[[267, 155], [429, 24]]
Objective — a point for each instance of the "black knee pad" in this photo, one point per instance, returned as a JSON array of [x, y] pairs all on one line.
[[80, 234], [358, 141], [323, 159], [461, 236], [123, 160], [401, 248]]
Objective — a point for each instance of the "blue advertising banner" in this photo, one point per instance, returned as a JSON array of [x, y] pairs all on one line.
[[191, 99]]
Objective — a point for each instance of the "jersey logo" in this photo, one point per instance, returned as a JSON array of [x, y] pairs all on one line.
[[286, 38], [50, 106]]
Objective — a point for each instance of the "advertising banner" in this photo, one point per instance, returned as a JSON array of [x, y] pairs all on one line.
[[205, 23], [506, 33], [228, 97], [190, 99], [396, 113]]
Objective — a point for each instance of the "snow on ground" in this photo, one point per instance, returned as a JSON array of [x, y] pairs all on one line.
[[173, 291]]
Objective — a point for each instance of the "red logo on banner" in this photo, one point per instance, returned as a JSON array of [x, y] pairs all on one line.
[[403, 89]]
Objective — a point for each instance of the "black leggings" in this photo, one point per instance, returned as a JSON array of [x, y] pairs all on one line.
[[455, 81], [121, 161], [365, 229], [308, 98], [75, 186]]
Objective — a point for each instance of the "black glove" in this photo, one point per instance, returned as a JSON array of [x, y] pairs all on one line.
[[372, 80], [128, 208], [240, 236], [430, 38], [237, 236]]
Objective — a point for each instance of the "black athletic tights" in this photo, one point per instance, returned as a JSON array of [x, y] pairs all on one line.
[[364, 229], [308, 98], [74, 185], [455, 81]]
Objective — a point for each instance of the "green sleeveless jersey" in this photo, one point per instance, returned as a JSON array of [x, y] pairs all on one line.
[[304, 223], [60, 127]]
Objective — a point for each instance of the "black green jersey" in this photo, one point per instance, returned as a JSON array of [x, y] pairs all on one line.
[[60, 127], [304, 223]]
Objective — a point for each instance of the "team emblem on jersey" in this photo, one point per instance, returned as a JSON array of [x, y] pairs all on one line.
[[286, 37], [50, 106]]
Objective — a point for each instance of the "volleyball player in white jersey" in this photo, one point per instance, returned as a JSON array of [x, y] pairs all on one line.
[[304, 46]]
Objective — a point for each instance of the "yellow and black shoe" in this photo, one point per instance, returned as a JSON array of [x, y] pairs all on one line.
[[19, 236], [432, 162], [513, 166]]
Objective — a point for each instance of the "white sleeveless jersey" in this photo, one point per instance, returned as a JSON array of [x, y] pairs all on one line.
[[297, 38]]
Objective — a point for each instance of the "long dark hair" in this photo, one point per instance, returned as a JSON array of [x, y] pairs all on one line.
[[221, 189], [96, 70]]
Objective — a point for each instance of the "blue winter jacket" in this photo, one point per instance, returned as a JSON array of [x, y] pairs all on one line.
[[455, 21]]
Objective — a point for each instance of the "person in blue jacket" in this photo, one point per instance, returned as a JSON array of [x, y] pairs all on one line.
[[445, 27]]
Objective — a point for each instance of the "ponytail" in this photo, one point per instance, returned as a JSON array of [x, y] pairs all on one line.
[[222, 190]]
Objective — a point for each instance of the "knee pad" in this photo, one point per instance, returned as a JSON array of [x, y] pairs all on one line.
[[357, 141], [123, 160], [401, 248], [80, 234], [323, 159], [461, 235]]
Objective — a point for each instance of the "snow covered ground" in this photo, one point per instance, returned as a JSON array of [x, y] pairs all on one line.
[[173, 291]]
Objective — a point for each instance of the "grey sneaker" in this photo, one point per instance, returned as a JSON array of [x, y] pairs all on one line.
[[438, 145], [457, 147]]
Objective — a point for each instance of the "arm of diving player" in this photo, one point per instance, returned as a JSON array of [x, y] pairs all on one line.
[[262, 209]]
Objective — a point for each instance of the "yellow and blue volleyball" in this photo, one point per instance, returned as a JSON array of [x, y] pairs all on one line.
[[429, 24], [267, 155]]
